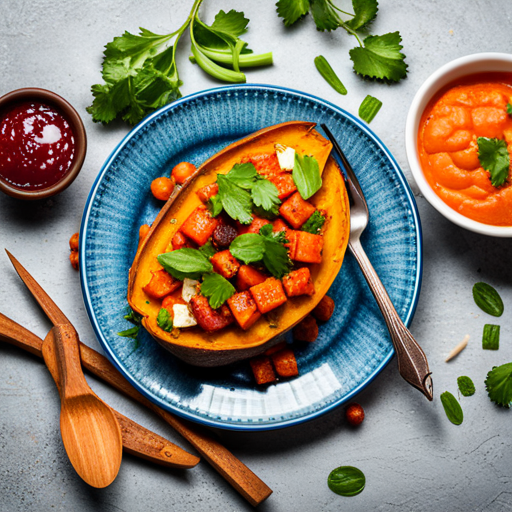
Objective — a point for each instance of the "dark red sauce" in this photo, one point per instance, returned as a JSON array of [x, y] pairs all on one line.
[[36, 146]]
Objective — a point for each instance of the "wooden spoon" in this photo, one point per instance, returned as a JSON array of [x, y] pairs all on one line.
[[89, 429]]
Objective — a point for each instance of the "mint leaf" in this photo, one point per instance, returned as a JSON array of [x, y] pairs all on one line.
[[494, 157], [314, 224], [306, 175], [292, 10], [324, 68], [191, 263], [164, 320], [235, 200], [243, 175], [466, 386], [491, 337], [248, 248], [265, 195], [380, 57], [487, 299], [452, 408], [217, 289], [365, 12], [499, 384], [369, 108]]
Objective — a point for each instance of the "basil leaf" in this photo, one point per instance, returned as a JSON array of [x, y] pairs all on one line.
[[265, 194], [217, 289], [248, 248], [214, 205], [369, 108], [208, 249], [452, 408], [235, 200], [314, 224], [164, 320], [346, 481], [324, 68], [243, 175], [133, 332], [488, 299], [499, 384], [494, 157], [191, 263], [491, 337], [466, 386], [306, 175]]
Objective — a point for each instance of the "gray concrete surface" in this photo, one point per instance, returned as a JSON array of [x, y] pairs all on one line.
[[413, 458]]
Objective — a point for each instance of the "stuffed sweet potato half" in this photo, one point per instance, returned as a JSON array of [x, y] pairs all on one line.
[[245, 248]]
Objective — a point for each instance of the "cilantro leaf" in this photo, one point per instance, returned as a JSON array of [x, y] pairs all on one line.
[[380, 57], [509, 109], [233, 22], [369, 108], [499, 384], [243, 175], [248, 248], [164, 320], [494, 157], [491, 337], [306, 175], [265, 195], [324, 15], [191, 263], [217, 289], [276, 258], [466, 386], [365, 12], [235, 200], [292, 10], [132, 333], [314, 224]]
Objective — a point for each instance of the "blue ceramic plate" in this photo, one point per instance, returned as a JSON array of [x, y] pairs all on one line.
[[352, 347]]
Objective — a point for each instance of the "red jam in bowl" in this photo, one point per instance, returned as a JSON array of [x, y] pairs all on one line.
[[36, 146]]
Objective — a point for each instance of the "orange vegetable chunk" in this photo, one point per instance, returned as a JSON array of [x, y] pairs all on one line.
[[180, 241], [284, 184], [208, 192], [308, 247], [225, 264], [248, 276], [199, 225], [296, 211], [253, 227], [280, 225], [208, 318], [162, 188], [244, 309], [298, 282], [161, 284], [285, 363], [170, 300], [262, 369], [265, 163], [268, 295], [182, 172]]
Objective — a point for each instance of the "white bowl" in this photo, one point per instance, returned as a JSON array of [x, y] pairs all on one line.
[[458, 68]]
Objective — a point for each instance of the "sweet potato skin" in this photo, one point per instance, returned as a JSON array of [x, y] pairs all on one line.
[[161, 284], [199, 226], [244, 309], [296, 211], [268, 295], [210, 319]]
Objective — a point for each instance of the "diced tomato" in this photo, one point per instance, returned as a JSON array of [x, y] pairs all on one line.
[[268, 295], [225, 264], [284, 184], [262, 369], [308, 247], [285, 363], [208, 318], [207, 192], [296, 211], [248, 276], [265, 163], [161, 284], [180, 241], [199, 225], [253, 227], [298, 282], [244, 309]]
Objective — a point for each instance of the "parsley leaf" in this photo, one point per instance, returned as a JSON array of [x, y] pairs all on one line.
[[248, 248], [452, 408], [191, 263], [306, 175], [265, 195], [217, 289], [276, 258], [164, 320], [365, 12], [243, 175], [324, 15], [235, 200], [466, 386], [292, 10], [380, 57], [314, 224], [324, 68], [499, 384], [214, 205], [491, 337], [494, 157], [369, 108], [509, 109]]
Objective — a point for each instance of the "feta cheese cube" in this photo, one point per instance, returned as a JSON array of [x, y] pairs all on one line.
[[285, 157], [189, 289], [183, 317]]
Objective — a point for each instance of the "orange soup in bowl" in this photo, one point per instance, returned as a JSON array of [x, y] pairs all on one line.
[[448, 144]]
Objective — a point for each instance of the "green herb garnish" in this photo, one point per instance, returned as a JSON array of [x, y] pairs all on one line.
[[243, 175], [217, 289], [369, 108], [191, 263], [265, 195], [133, 332], [164, 320], [346, 481], [215, 205], [248, 248], [236, 201], [135, 319], [494, 157], [452, 408], [487, 299], [499, 384], [306, 175], [324, 68], [491, 337], [314, 224], [509, 109], [208, 249], [466, 386]]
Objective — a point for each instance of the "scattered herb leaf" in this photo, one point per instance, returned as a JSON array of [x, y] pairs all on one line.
[[265, 195], [499, 384], [133, 317], [491, 337], [208, 249], [191, 263], [494, 157], [243, 175], [248, 248], [365, 12], [133, 332], [509, 109], [466, 386], [324, 14], [164, 320], [487, 299], [452, 408], [306, 175], [369, 108], [314, 223], [324, 68], [276, 258], [292, 10], [346, 481], [217, 289], [235, 200], [215, 205]]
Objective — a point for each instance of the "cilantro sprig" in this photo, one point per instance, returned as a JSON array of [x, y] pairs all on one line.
[[494, 157], [376, 57], [499, 384]]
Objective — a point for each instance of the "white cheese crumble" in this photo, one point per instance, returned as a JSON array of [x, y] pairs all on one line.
[[189, 289], [183, 317], [285, 156]]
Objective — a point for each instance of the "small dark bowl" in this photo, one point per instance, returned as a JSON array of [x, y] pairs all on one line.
[[71, 115]]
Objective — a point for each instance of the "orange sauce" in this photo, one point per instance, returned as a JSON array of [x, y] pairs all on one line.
[[476, 106]]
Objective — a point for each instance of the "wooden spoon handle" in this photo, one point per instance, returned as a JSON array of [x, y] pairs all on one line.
[[15, 334]]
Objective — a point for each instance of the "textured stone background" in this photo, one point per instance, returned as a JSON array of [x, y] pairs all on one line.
[[413, 457]]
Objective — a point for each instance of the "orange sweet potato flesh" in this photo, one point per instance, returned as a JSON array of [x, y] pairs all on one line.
[[232, 344]]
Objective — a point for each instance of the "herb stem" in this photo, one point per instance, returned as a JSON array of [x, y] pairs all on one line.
[[340, 10]]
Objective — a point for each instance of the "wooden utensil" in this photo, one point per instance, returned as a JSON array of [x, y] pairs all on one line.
[[233, 470]]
